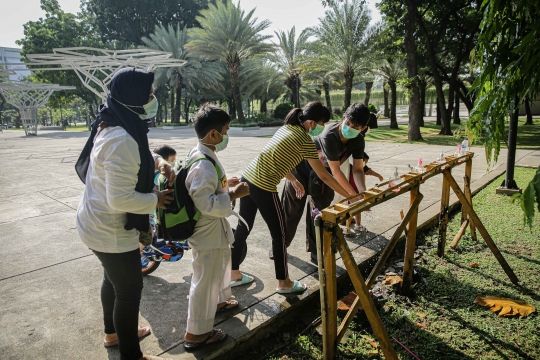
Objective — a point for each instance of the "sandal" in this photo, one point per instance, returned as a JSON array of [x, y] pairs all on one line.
[[298, 287], [229, 305], [190, 346], [143, 331], [245, 280]]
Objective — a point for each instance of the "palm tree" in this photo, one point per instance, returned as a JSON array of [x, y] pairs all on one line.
[[196, 73], [392, 70], [289, 56], [345, 35], [230, 35]]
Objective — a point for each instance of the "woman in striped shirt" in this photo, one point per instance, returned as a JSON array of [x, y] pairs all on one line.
[[291, 144]]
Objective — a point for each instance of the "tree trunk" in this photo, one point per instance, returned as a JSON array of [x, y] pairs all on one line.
[[369, 85], [349, 75], [166, 112], [172, 104], [423, 86], [233, 69], [386, 107], [232, 107], [446, 113], [393, 100], [528, 112], [178, 103], [457, 120], [1, 110], [263, 108], [438, 113], [187, 104], [326, 87], [415, 117]]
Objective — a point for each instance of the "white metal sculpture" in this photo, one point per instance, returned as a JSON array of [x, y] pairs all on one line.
[[28, 98], [96, 67]]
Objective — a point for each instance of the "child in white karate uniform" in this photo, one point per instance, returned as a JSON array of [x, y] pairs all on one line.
[[212, 194]]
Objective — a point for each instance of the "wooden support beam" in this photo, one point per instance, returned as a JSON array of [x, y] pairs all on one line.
[[393, 241], [443, 216], [364, 298], [460, 233], [480, 226], [468, 194], [329, 313], [408, 262]]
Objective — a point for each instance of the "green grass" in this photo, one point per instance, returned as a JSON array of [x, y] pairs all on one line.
[[528, 136], [441, 321], [79, 127]]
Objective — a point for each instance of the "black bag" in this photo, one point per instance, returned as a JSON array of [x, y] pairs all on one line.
[[316, 186], [177, 223]]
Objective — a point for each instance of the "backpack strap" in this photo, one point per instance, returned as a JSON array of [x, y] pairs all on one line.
[[189, 164]]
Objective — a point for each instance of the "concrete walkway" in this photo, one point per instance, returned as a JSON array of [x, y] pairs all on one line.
[[49, 281]]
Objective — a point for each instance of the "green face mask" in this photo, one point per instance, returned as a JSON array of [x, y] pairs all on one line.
[[317, 131]]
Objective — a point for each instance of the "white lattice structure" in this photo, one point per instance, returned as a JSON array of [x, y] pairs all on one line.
[[96, 67], [28, 98]]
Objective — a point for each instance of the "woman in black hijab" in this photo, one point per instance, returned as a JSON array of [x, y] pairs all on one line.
[[118, 169]]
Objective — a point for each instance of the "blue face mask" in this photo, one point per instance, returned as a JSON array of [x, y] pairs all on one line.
[[348, 132], [317, 131]]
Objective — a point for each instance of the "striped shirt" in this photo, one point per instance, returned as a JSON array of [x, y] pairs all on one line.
[[287, 148]]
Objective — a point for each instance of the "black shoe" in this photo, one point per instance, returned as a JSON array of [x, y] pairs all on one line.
[[271, 254]]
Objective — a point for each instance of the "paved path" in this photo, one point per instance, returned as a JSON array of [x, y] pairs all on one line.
[[49, 281]]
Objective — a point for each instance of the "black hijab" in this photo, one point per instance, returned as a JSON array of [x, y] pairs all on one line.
[[132, 87]]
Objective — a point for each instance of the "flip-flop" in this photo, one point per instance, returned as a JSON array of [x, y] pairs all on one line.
[[298, 287], [245, 280], [229, 305], [143, 331], [190, 346]]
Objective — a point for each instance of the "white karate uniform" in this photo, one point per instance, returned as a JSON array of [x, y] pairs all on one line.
[[210, 243]]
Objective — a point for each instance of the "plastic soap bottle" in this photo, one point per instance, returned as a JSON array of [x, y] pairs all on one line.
[[420, 168], [394, 179], [465, 146], [441, 159]]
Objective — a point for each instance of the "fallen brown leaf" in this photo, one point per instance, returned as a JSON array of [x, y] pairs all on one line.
[[374, 344], [507, 307], [475, 265], [421, 326], [392, 280]]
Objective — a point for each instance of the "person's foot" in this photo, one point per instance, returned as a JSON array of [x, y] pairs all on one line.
[[112, 339], [150, 357], [191, 338], [226, 306], [289, 286]]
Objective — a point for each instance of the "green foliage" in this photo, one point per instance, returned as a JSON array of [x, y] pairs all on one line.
[[282, 110], [508, 54], [529, 198], [126, 22]]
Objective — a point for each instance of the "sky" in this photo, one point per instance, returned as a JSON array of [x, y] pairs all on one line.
[[284, 14]]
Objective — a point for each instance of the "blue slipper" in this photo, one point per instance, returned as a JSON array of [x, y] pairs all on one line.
[[245, 280], [298, 287]]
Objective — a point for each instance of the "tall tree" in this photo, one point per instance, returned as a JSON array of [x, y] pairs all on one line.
[[126, 22], [289, 56], [229, 34], [346, 36], [392, 71], [195, 73]]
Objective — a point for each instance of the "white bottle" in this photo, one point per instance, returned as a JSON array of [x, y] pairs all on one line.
[[420, 168], [394, 179], [441, 159], [465, 146]]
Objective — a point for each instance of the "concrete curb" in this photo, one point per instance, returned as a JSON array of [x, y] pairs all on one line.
[[255, 322]]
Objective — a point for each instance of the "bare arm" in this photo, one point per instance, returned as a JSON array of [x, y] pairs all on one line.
[[328, 179], [300, 191], [358, 175], [374, 173], [335, 167]]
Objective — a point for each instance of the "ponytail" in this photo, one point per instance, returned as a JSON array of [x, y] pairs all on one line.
[[314, 110], [294, 117]]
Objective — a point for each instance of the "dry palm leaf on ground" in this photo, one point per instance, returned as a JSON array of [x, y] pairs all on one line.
[[507, 307]]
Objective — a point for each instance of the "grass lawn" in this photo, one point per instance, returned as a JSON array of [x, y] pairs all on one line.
[[528, 136], [440, 321]]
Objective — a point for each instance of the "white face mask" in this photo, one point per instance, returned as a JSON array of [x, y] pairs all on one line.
[[150, 109]]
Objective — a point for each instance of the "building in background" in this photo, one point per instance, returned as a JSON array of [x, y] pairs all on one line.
[[13, 56]]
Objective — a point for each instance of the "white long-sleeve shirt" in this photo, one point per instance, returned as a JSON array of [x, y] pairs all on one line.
[[110, 193], [212, 230]]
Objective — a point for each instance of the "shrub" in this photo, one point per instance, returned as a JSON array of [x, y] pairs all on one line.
[[372, 108], [282, 110]]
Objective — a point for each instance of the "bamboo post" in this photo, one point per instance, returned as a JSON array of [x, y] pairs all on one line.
[[468, 194], [364, 297], [330, 309], [408, 266], [478, 223], [460, 233], [443, 217]]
